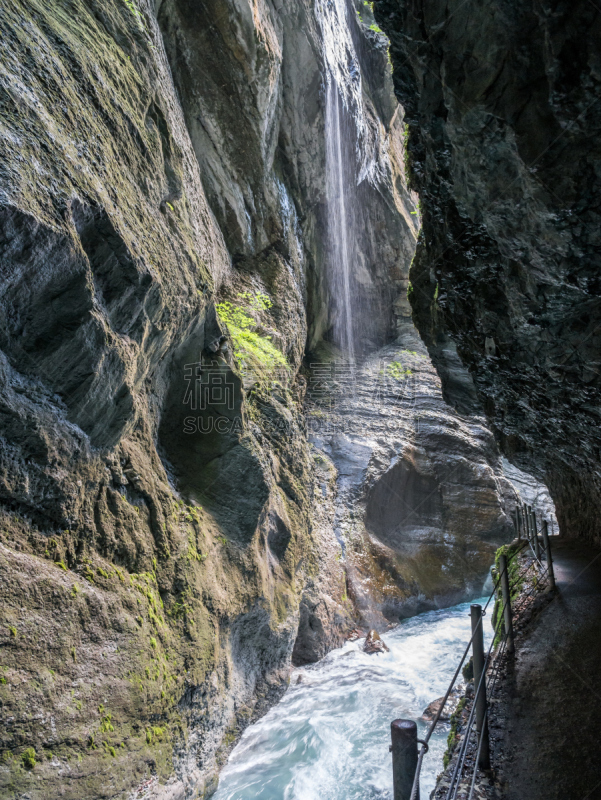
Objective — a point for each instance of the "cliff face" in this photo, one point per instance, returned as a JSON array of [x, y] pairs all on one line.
[[168, 533], [502, 106], [150, 575]]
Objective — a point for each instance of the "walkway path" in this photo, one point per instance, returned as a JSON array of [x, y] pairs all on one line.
[[552, 736]]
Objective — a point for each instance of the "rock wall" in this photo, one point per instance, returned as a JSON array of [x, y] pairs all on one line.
[[151, 571], [422, 500], [169, 538], [502, 108]]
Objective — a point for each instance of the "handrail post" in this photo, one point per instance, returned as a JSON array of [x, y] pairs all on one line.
[[480, 699], [527, 523], [535, 535], [516, 523], [506, 603], [404, 757], [550, 570]]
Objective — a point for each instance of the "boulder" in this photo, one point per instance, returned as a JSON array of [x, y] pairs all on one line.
[[374, 644], [450, 706]]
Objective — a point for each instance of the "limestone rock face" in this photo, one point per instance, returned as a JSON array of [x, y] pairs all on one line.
[[502, 106], [149, 556], [422, 498], [160, 550], [169, 537]]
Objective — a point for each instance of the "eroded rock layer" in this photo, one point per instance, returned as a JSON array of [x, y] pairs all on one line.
[[503, 112]]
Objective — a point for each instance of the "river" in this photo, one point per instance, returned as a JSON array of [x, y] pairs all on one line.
[[327, 739]]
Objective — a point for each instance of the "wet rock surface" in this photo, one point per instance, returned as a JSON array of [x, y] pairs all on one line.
[[503, 114], [422, 500], [374, 644], [449, 709], [159, 552]]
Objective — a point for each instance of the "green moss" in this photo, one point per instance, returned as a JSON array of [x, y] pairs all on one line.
[[255, 353], [397, 371], [452, 737], [106, 724], [13, 631], [109, 749], [28, 758]]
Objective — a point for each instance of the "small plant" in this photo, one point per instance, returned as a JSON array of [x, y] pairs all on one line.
[[61, 564], [109, 749], [148, 737], [106, 725], [28, 758], [75, 590], [74, 655], [78, 705], [153, 642], [13, 631], [397, 371]]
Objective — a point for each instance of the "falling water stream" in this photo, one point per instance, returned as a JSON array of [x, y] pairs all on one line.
[[343, 121], [339, 195], [328, 737]]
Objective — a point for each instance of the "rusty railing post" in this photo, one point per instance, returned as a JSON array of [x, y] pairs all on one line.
[[550, 571], [528, 523], [480, 698], [535, 535], [516, 523], [507, 616], [404, 757]]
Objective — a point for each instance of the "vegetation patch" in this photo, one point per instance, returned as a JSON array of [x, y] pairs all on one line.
[[28, 758], [255, 353]]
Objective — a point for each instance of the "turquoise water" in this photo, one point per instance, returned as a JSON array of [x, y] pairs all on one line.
[[328, 737]]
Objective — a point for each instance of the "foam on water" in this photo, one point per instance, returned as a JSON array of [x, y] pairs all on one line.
[[328, 737]]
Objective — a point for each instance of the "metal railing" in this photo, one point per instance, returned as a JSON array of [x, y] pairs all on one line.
[[407, 759]]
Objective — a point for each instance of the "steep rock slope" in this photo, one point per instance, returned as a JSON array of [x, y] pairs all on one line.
[[503, 113], [422, 500], [144, 612]]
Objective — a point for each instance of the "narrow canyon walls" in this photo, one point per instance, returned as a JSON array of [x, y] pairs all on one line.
[[176, 524], [503, 112]]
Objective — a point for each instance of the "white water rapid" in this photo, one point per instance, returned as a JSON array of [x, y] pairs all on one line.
[[328, 737]]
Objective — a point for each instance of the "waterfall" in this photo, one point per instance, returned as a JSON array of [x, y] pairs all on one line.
[[343, 119], [340, 234]]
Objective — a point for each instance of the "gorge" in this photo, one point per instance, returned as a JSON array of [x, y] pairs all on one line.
[[298, 303]]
